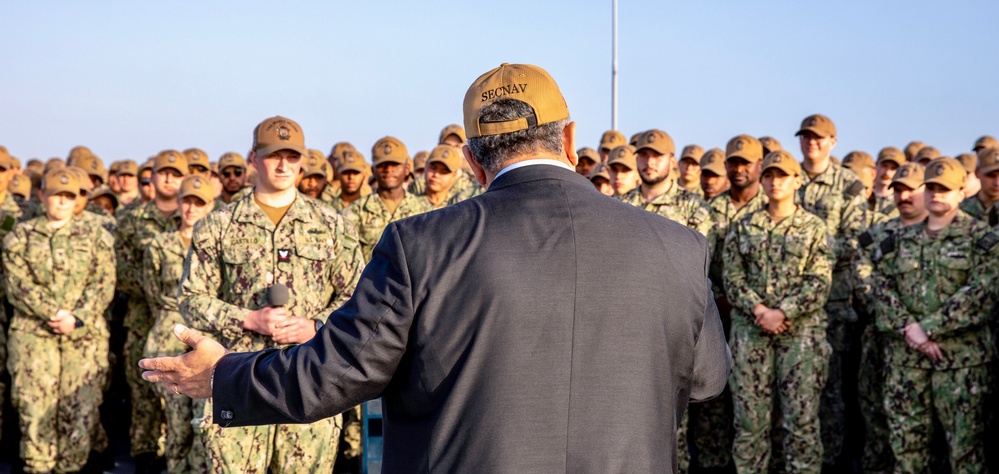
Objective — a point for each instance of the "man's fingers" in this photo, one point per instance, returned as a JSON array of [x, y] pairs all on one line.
[[187, 335], [162, 364], [160, 377]]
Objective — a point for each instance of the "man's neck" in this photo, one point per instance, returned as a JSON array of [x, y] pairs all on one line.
[[741, 196], [437, 197], [348, 198], [395, 194], [882, 190], [127, 197], [779, 210], [186, 231], [167, 207], [275, 198], [907, 221], [986, 200], [817, 166], [937, 222], [651, 192]]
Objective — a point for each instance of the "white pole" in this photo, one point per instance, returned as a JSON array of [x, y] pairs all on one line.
[[614, 73]]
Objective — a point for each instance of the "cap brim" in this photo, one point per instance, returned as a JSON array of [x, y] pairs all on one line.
[[267, 150], [987, 169], [786, 169], [398, 161], [740, 155], [655, 148], [943, 182], [813, 130], [446, 165], [911, 183], [718, 170]]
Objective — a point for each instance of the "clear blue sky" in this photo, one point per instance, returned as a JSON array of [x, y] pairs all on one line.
[[128, 79]]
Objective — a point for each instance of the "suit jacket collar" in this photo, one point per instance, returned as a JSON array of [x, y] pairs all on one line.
[[537, 172]]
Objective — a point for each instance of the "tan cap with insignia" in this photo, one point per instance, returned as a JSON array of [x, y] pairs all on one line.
[[76, 153], [453, 129], [338, 148], [113, 168], [857, 160], [15, 163], [197, 157], [420, 160], [634, 138], [147, 165], [314, 166], [21, 186], [170, 159], [926, 153], [770, 144], [127, 167], [745, 147], [969, 161], [351, 160], [657, 141], [61, 180], [589, 154], [278, 133], [231, 159], [81, 175], [818, 124], [197, 186], [692, 152], [611, 139], [713, 161], [985, 141], [909, 174], [912, 149], [946, 172], [524, 82], [103, 190], [988, 160], [623, 155], [892, 154], [783, 161], [92, 165], [389, 150], [51, 164], [599, 171], [447, 154]]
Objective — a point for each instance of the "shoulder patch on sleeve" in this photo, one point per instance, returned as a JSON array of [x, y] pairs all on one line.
[[106, 237], [888, 245], [855, 189], [994, 216], [865, 239], [8, 222], [10, 241], [987, 241]]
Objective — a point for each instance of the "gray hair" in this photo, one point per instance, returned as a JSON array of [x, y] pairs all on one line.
[[493, 151]]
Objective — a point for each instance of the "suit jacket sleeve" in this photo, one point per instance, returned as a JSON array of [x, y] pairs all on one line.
[[350, 360], [712, 360]]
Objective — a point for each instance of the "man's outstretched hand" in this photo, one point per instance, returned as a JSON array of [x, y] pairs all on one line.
[[189, 374]]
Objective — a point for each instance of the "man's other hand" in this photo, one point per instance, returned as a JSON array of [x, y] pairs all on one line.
[[189, 374]]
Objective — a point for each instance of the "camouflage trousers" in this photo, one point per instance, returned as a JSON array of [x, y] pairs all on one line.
[[832, 410], [276, 449], [351, 437], [956, 397], [57, 389], [148, 420], [711, 431], [177, 449], [795, 367], [877, 456], [682, 448]]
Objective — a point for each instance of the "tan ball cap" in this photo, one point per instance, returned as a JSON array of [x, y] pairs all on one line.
[[82, 177], [21, 186], [76, 153], [857, 160], [692, 152], [389, 150], [197, 157], [611, 139], [927, 153], [783, 161], [912, 149], [985, 141], [599, 171], [892, 154], [946, 172], [147, 165], [231, 159], [909, 174], [524, 82], [969, 161], [623, 155], [351, 160], [197, 186], [92, 165], [988, 160], [314, 166], [5, 161], [278, 133], [449, 155], [170, 159], [745, 147], [453, 129], [713, 161], [657, 141], [60, 180], [770, 144], [103, 190], [420, 159], [127, 167], [818, 124], [589, 154], [338, 149]]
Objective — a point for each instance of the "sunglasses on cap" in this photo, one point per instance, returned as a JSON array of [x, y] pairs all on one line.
[[237, 173], [197, 169], [145, 182]]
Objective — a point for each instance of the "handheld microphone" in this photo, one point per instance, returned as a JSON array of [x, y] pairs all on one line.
[[277, 295]]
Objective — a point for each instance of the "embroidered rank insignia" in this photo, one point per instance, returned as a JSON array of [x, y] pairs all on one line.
[[284, 255], [888, 245], [866, 240]]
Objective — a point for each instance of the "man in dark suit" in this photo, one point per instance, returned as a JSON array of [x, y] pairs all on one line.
[[479, 326]]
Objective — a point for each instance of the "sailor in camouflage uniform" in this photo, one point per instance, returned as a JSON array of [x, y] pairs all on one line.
[[834, 193], [880, 209], [162, 265], [978, 206], [10, 215], [269, 238], [659, 192], [777, 277], [907, 187], [371, 214], [933, 300], [59, 276], [352, 173], [136, 228]]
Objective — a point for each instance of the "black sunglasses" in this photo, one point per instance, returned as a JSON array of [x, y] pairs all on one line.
[[145, 182], [237, 173]]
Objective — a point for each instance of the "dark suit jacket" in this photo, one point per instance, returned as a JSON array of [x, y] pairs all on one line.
[[540, 327]]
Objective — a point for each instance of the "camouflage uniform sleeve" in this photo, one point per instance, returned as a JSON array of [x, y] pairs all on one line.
[[890, 313], [125, 256], [740, 295], [968, 307], [22, 292], [862, 273], [851, 225], [200, 285], [99, 289], [810, 294], [700, 217], [151, 262], [345, 271]]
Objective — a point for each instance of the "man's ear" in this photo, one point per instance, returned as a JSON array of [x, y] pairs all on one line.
[[569, 143], [480, 173]]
